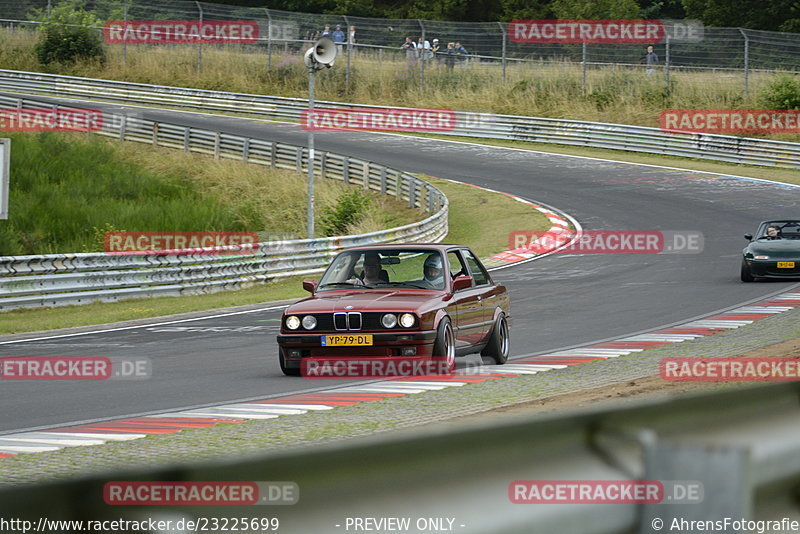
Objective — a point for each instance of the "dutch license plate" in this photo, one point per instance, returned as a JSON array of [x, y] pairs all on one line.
[[347, 340], [785, 265]]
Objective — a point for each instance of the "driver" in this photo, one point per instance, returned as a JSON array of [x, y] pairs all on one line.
[[773, 232], [372, 269], [433, 272]]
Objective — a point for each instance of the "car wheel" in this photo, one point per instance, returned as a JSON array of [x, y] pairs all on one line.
[[444, 349], [746, 275], [287, 370], [497, 348]]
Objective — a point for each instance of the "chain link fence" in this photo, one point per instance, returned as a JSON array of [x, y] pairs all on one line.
[[732, 55]]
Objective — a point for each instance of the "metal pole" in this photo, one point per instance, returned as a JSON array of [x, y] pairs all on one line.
[[422, 57], [125, 42], [349, 50], [269, 40], [746, 61], [666, 65], [583, 61], [199, 46], [311, 155], [503, 32]]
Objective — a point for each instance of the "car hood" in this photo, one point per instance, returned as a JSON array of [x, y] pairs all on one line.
[[779, 248], [369, 300]]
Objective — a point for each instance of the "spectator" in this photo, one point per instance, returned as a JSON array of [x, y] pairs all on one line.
[[327, 31], [424, 49], [450, 56], [461, 53], [435, 49], [351, 38], [650, 59], [338, 35], [411, 51], [338, 38]]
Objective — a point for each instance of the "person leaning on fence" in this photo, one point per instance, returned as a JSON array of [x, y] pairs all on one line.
[[326, 32], [650, 59], [435, 49], [424, 49], [461, 54], [450, 55], [411, 51]]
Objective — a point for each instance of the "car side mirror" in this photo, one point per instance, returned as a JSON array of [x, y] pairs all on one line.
[[310, 285], [749, 237], [462, 282]]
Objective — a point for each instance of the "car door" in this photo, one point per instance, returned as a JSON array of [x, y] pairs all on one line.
[[468, 318], [488, 295]]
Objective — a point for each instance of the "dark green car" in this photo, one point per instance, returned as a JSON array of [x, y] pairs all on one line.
[[774, 252]]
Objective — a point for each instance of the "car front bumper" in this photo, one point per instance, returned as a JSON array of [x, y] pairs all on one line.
[[770, 269]]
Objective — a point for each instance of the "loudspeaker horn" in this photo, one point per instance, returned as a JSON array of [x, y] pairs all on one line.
[[322, 54]]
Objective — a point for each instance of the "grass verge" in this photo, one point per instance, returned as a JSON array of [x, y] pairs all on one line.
[[469, 209]]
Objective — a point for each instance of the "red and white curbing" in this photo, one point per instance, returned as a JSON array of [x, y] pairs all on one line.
[[168, 423], [560, 233]]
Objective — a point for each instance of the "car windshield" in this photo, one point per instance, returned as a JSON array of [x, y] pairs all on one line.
[[383, 268], [784, 229]]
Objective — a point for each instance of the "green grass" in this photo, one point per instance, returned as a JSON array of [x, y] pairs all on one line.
[[68, 190], [468, 207]]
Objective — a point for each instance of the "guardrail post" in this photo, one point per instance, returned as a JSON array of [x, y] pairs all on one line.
[[298, 160], [383, 180], [155, 134], [366, 175], [217, 140], [323, 164], [187, 137], [431, 196], [346, 170], [273, 153], [412, 193], [246, 150], [398, 185], [123, 124]]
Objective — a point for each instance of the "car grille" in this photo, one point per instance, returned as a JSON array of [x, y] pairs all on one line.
[[330, 322]]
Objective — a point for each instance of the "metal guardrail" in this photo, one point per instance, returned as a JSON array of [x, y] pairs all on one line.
[[63, 279], [741, 446], [732, 149]]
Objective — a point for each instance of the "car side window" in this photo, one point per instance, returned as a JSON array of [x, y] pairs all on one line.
[[476, 270], [457, 267]]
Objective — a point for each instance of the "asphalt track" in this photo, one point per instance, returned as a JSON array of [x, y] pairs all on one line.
[[557, 301]]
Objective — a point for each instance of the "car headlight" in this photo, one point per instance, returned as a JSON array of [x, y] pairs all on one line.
[[407, 320], [389, 320], [762, 257], [309, 322], [292, 322]]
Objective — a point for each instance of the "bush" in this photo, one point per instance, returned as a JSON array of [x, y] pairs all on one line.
[[782, 93], [350, 207], [70, 35]]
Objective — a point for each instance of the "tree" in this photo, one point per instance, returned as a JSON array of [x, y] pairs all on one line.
[[754, 14], [595, 9], [70, 33]]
